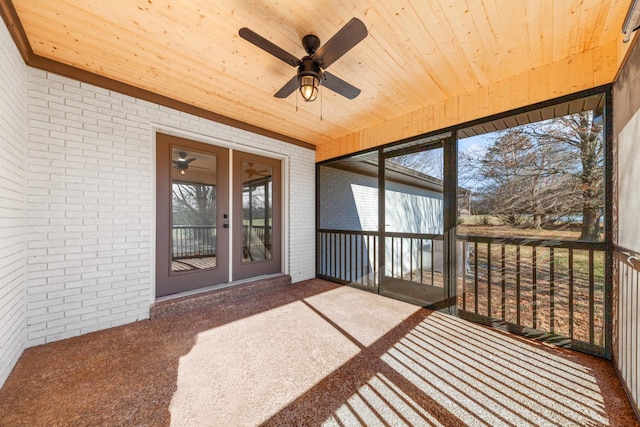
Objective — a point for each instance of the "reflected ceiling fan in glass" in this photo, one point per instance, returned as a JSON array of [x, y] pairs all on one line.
[[182, 163], [252, 171]]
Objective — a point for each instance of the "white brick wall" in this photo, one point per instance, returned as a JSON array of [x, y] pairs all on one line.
[[90, 204], [302, 215], [13, 155]]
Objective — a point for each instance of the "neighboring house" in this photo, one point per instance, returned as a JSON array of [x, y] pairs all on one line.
[[349, 194]]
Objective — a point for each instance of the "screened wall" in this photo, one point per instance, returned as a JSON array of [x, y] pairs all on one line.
[[503, 221]]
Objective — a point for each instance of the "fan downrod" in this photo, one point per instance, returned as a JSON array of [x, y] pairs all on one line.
[[310, 43]]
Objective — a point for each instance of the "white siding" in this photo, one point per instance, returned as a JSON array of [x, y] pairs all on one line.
[[350, 202], [13, 155]]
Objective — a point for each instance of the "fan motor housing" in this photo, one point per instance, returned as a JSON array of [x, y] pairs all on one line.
[[309, 68]]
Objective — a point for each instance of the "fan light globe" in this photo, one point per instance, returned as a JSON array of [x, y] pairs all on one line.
[[309, 87]]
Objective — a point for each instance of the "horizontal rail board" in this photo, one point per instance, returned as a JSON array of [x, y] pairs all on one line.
[[525, 241]]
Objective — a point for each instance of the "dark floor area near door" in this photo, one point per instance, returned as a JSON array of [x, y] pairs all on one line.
[[311, 353]]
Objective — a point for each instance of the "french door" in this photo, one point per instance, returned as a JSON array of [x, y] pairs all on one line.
[[217, 215]]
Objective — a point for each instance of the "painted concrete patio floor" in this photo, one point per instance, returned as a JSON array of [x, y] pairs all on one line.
[[310, 353]]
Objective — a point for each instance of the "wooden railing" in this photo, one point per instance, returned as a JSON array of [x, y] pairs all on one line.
[[547, 289], [542, 288], [193, 241], [348, 257], [199, 241], [416, 258]]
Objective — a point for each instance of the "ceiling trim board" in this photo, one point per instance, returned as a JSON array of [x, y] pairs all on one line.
[[16, 30]]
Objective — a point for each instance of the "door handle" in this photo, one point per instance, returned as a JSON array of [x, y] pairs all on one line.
[[225, 225]]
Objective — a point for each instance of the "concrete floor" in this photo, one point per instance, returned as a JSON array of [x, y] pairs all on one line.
[[311, 353]]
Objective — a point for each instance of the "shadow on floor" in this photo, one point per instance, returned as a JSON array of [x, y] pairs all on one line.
[[311, 353]]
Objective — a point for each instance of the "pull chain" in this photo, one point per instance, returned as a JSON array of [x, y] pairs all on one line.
[[321, 96]]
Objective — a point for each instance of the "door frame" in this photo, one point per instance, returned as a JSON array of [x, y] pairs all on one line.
[[223, 143]]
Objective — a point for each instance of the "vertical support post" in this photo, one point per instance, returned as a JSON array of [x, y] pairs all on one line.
[[431, 252], [608, 222], [504, 281], [450, 206], [552, 290], [318, 247], [591, 298], [475, 277], [335, 255], [343, 255], [421, 260], [518, 302], [489, 268], [411, 259], [534, 286], [401, 256], [571, 293], [381, 222]]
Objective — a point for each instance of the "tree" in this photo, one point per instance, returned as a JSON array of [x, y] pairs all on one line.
[[428, 162], [582, 132], [522, 178], [546, 171], [194, 204]]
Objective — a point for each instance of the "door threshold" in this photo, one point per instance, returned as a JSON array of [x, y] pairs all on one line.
[[211, 295]]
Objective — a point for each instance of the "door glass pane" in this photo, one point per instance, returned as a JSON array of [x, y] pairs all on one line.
[[193, 237], [256, 211]]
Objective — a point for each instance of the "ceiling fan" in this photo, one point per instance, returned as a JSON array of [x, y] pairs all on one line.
[[311, 68], [251, 172], [182, 164]]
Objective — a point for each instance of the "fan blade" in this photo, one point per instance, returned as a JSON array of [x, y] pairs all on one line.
[[267, 46], [189, 161], [341, 42], [288, 88], [339, 86]]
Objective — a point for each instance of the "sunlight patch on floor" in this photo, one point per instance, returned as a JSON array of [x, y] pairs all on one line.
[[480, 376], [363, 315], [244, 372]]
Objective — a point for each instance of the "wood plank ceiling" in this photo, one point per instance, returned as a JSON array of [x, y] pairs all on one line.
[[418, 53]]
